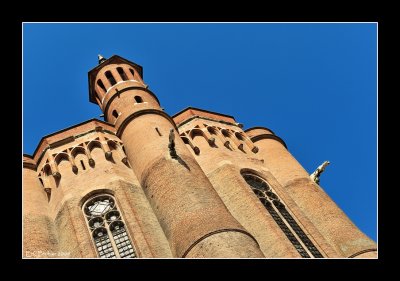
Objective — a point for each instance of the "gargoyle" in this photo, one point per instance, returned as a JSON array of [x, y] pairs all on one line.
[[315, 176]]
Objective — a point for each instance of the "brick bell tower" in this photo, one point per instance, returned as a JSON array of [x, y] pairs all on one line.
[[192, 215]]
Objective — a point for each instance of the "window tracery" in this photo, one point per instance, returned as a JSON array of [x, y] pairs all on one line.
[[107, 228], [275, 207]]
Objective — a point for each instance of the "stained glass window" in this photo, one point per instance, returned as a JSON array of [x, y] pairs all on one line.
[[273, 204]]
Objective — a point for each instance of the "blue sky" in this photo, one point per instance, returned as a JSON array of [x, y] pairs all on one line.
[[314, 85]]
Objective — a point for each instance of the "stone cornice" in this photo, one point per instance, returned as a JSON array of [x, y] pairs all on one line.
[[45, 144], [123, 91], [208, 119], [268, 136]]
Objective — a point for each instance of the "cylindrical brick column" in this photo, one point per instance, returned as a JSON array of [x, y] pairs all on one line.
[[40, 240], [194, 218], [327, 217]]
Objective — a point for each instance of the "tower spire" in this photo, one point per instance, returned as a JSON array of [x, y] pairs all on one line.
[[101, 58]]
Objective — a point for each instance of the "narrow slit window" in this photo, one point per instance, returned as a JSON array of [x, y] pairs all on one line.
[[110, 78], [115, 113], [101, 85], [132, 72], [122, 73], [83, 165]]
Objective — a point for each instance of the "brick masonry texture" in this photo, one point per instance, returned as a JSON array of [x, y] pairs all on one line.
[[194, 205]]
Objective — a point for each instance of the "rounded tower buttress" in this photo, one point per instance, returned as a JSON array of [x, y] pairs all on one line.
[[39, 237], [330, 220], [194, 218]]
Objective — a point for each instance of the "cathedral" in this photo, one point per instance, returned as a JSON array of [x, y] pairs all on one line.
[[144, 184]]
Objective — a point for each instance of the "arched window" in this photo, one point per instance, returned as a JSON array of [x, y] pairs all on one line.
[[115, 113], [101, 85], [275, 207], [107, 228], [122, 73], [132, 72], [110, 78], [138, 99]]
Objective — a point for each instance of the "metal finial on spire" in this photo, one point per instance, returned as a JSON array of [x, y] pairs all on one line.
[[101, 58]]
